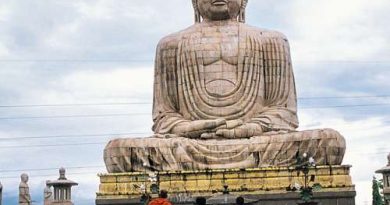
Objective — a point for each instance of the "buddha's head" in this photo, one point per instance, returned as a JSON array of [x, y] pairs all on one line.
[[218, 10]]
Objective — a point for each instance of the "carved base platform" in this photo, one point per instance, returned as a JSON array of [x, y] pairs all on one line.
[[62, 203], [259, 186]]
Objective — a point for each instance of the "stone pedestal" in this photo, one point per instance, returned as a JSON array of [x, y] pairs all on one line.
[[62, 189], [62, 203], [262, 185]]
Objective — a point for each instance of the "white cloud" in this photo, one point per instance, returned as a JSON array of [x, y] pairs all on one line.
[[320, 30], [339, 30], [111, 84], [4, 52], [4, 17], [366, 150], [4, 12], [111, 10], [363, 197]]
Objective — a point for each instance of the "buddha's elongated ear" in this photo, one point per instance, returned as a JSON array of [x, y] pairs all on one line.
[[241, 17], [196, 10]]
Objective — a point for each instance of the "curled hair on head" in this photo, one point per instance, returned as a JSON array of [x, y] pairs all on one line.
[[196, 10], [241, 17]]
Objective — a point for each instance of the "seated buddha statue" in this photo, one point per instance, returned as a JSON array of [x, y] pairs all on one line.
[[224, 97]]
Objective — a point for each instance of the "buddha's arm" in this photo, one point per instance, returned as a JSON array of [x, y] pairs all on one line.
[[165, 115], [280, 103]]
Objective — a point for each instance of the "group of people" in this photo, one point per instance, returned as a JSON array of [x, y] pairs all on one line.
[[163, 200]]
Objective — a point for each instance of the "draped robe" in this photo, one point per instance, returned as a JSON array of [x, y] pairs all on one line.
[[260, 89], [264, 91]]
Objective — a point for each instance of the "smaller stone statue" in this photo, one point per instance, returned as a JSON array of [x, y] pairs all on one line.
[[24, 192], [388, 158], [48, 194], [62, 173], [1, 193]]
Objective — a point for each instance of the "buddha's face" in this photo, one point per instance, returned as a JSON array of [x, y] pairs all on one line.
[[216, 10]]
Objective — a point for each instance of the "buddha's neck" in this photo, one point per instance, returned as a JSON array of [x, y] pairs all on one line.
[[219, 22]]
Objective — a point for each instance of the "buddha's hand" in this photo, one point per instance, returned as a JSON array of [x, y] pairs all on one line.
[[231, 124], [194, 129], [247, 130]]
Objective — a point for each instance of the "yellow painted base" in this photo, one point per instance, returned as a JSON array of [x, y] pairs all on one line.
[[208, 182]]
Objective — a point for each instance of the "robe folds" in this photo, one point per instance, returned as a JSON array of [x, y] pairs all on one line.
[[326, 146], [264, 91]]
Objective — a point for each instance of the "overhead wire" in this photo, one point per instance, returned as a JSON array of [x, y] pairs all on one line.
[[100, 166], [148, 103], [49, 169], [52, 145], [140, 114], [105, 135], [73, 136], [51, 175], [64, 60]]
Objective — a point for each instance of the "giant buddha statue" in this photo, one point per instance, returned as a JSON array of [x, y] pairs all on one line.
[[224, 97]]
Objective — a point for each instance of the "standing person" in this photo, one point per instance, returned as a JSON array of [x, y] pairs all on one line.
[[240, 200], [24, 191], [162, 199], [200, 201]]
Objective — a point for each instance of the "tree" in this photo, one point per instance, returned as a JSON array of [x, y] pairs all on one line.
[[376, 195]]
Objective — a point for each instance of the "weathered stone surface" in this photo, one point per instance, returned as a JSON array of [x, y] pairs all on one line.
[[175, 154], [266, 185], [231, 84]]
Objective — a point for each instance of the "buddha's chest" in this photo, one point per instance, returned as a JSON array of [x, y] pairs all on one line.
[[214, 46], [218, 52]]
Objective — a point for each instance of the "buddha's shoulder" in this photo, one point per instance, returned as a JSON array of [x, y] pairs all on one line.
[[173, 40], [264, 33]]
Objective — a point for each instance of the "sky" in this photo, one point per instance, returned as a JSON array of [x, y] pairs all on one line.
[[76, 73]]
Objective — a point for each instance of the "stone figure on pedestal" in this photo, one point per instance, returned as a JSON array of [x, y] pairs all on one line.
[[24, 191], [388, 160], [224, 97], [48, 194]]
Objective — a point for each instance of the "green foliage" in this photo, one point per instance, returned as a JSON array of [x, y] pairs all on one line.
[[376, 195], [316, 187], [306, 194], [380, 182]]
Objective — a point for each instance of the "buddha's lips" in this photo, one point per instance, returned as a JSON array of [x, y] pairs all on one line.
[[220, 2]]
